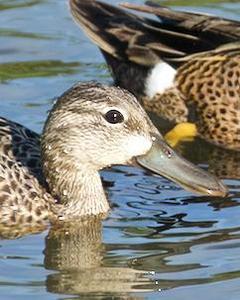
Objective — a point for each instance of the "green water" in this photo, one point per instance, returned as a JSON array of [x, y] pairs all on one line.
[[159, 242]]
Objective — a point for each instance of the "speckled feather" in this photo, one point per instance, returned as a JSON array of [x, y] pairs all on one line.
[[23, 197], [209, 82]]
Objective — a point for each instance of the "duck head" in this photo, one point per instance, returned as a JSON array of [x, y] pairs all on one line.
[[93, 126]]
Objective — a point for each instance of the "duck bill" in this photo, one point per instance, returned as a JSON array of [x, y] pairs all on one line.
[[161, 159]]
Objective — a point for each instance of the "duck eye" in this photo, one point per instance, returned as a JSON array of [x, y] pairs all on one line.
[[114, 116]]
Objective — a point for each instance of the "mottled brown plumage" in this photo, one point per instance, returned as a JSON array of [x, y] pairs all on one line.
[[209, 83], [204, 50], [90, 127], [23, 197]]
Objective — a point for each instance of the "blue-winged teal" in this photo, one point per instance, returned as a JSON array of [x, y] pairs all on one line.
[[90, 127], [184, 67]]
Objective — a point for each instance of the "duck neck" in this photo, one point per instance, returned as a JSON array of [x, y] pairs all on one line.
[[83, 195], [78, 187]]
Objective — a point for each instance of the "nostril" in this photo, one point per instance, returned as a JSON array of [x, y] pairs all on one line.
[[168, 153]]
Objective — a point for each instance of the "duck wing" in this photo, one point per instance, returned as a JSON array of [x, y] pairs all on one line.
[[21, 146], [209, 28], [127, 36]]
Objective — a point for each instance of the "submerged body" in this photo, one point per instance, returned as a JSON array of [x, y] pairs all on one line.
[[90, 127], [184, 67]]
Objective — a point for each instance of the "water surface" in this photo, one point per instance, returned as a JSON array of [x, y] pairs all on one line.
[[159, 242]]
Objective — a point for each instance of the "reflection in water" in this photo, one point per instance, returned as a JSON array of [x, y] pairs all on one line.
[[6, 4], [168, 275], [25, 35], [20, 230], [225, 164], [76, 252], [36, 69]]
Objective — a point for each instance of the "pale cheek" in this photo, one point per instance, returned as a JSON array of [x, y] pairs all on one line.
[[137, 145], [161, 78]]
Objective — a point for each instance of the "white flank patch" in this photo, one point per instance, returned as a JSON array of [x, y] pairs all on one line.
[[160, 78], [137, 145]]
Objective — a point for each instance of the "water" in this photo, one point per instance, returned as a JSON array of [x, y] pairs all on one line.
[[159, 242]]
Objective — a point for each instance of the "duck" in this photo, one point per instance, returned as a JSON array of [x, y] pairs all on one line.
[[54, 177], [183, 67]]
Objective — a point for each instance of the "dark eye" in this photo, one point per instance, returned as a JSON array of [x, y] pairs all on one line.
[[114, 116]]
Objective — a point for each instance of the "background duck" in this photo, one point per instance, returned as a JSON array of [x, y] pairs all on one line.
[[184, 67], [90, 127]]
